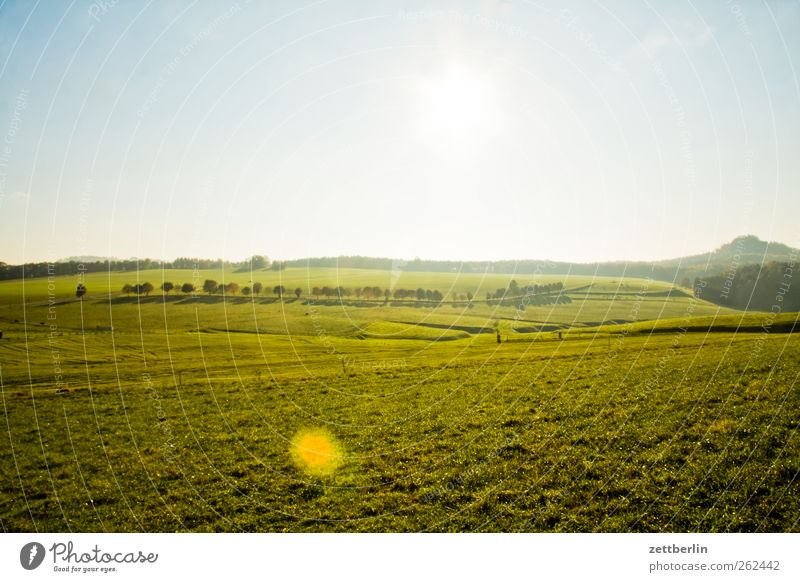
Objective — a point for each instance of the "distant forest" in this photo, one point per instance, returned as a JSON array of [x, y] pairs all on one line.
[[74, 267], [746, 273], [768, 287], [665, 272]]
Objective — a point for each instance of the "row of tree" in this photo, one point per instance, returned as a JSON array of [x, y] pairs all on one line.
[[515, 290], [212, 287], [209, 287], [377, 293], [420, 294]]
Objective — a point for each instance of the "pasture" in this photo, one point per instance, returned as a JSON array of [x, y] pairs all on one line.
[[653, 411]]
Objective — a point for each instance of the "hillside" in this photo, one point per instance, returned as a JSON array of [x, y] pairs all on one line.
[[742, 250]]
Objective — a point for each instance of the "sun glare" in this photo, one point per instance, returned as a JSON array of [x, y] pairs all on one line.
[[457, 106], [316, 452]]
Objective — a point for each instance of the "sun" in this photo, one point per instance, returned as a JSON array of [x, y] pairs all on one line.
[[316, 452], [456, 106]]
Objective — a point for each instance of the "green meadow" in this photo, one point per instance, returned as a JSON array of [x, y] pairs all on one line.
[[625, 405]]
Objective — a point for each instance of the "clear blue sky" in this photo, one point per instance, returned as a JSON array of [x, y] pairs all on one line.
[[464, 130]]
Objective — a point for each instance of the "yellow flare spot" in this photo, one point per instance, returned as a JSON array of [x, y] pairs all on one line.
[[316, 452]]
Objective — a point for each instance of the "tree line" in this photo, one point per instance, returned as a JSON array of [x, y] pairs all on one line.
[[768, 287], [515, 290], [745, 250], [72, 267], [210, 287], [377, 293]]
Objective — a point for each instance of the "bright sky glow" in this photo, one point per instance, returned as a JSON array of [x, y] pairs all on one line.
[[457, 107], [460, 130]]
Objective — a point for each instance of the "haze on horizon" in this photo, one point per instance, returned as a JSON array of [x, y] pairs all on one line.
[[459, 130]]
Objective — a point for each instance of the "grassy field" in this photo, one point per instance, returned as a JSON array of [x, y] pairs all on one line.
[[653, 411]]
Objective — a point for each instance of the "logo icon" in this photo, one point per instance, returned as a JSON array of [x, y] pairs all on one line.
[[31, 555]]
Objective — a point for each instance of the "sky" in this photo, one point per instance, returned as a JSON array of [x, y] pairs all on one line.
[[580, 131]]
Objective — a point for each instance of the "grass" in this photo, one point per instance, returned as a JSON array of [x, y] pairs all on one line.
[[100, 284], [203, 414]]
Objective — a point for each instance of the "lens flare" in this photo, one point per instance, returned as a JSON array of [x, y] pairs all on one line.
[[316, 452]]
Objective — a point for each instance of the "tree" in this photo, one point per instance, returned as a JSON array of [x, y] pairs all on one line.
[[246, 291], [231, 288], [80, 290], [420, 294], [166, 287], [316, 292], [469, 296], [279, 290], [147, 288], [127, 289], [259, 262], [513, 288], [257, 288], [298, 292], [187, 288], [210, 286]]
